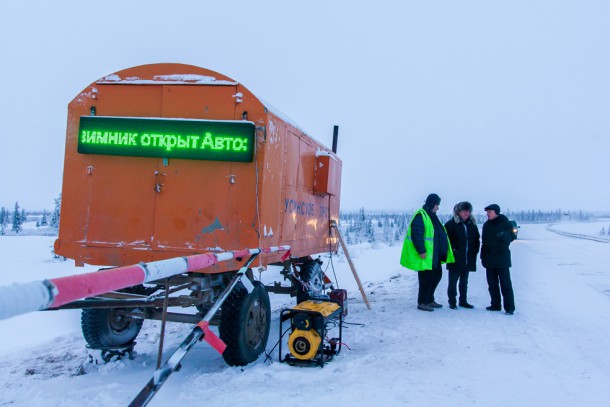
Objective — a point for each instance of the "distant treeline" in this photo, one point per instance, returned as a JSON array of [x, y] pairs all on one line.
[[390, 227], [356, 226], [543, 217], [11, 222]]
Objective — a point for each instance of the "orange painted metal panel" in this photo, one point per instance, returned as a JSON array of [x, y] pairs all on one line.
[[119, 210], [327, 176]]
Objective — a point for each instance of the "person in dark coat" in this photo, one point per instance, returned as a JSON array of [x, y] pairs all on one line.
[[495, 256], [465, 241]]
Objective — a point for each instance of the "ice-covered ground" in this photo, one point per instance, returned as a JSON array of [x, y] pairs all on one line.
[[553, 351]]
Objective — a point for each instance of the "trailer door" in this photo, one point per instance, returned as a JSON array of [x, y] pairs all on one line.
[[192, 201], [121, 189]]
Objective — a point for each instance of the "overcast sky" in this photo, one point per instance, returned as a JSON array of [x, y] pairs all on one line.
[[480, 100]]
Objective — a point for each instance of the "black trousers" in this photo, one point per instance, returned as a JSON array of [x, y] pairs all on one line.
[[428, 281], [454, 277], [501, 276]]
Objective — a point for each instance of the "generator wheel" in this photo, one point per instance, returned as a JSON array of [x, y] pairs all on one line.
[[311, 274], [109, 327], [244, 324]]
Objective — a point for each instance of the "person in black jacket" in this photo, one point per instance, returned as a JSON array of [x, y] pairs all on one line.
[[495, 256], [465, 241]]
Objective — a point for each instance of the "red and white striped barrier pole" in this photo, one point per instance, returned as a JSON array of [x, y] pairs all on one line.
[[19, 299]]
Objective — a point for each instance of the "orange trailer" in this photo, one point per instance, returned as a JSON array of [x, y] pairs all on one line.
[[128, 196], [172, 160]]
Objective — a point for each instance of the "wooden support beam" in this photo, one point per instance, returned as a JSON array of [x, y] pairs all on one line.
[[351, 265]]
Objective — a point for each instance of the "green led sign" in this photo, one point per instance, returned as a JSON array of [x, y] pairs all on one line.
[[167, 138]]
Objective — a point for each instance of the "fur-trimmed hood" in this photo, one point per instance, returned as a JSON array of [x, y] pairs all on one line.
[[456, 216]]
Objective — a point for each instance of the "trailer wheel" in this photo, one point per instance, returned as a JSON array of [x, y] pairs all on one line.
[[311, 274], [109, 327], [244, 324]]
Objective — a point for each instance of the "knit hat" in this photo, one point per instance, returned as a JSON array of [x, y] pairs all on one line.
[[432, 200], [464, 206], [493, 207]]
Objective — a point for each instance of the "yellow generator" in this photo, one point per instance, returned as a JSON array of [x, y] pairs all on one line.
[[310, 323]]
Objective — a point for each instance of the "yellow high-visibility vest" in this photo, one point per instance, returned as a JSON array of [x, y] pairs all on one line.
[[409, 257]]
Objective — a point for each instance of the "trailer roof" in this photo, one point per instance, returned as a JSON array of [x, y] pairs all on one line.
[[149, 75]]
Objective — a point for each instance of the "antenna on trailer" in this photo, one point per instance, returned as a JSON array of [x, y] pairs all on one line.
[[335, 138]]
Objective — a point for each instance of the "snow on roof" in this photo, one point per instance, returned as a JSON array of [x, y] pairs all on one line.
[[322, 153], [173, 79], [287, 119], [280, 114]]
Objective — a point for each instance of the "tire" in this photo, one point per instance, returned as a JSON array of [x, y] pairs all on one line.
[[244, 324], [310, 273], [108, 328]]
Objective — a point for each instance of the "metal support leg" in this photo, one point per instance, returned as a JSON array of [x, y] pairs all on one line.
[[201, 331], [163, 322]]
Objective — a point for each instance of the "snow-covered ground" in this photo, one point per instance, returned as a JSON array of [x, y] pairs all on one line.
[[553, 351]]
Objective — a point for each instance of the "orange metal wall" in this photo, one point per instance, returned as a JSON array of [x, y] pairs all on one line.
[[112, 215]]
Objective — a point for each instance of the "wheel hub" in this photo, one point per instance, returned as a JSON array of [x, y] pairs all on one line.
[[118, 321], [255, 326]]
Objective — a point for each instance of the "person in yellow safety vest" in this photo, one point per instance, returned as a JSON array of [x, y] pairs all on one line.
[[425, 249]]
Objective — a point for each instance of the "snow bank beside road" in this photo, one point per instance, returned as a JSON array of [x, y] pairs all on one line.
[[588, 230]]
